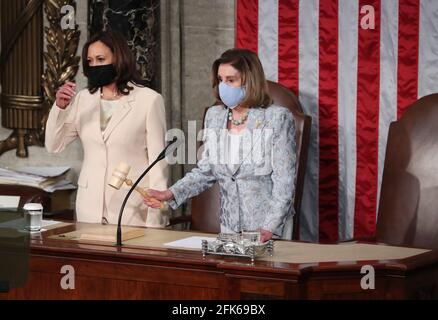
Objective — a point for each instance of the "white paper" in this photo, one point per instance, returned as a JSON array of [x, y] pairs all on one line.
[[9, 201], [47, 172], [61, 185], [17, 223], [27, 177], [189, 243], [7, 174]]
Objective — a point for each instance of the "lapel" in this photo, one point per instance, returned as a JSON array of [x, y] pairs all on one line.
[[118, 115], [218, 123], [221, 119], [256, 118], [91, 108]]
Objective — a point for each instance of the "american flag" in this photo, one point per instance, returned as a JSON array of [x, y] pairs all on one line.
[[355, 65]]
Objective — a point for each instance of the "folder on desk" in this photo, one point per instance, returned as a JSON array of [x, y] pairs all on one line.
[[108, 233]]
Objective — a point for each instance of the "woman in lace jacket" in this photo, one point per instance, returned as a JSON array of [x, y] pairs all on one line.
[[249, 149]]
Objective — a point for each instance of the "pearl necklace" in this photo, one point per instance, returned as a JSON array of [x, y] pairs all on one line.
[[115, 94], [237, 122]]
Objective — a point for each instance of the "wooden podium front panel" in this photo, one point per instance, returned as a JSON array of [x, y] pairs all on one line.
[[117, 280], [103, 271]]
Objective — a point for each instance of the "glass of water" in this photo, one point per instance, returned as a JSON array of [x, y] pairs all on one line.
[[33, 216]]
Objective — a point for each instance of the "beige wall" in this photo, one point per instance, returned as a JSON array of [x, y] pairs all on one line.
[[194, 33], [208, 30]]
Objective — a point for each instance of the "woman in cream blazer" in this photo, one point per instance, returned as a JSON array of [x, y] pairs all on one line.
[[135, 134]]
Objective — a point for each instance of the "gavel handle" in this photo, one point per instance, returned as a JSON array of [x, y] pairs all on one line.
[[144, 194]]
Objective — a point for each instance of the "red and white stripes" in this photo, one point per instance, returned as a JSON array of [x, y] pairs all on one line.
[[353, 80]]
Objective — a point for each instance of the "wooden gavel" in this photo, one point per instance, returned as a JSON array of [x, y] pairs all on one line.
[[120, 176]]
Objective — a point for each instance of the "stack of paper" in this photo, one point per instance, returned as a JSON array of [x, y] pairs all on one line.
[[49, 179]]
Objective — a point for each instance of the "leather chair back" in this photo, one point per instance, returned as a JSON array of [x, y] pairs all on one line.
[[408, 208]]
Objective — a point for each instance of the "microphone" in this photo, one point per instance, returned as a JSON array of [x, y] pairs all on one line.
[[161, 156]]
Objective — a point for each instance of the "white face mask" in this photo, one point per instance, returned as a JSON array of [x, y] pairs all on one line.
[[231, 96]]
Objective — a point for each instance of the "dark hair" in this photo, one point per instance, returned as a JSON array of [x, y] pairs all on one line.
[[124, 61], [251, 71]]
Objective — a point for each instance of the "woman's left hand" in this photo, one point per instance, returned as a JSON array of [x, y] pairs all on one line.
[[265, 235]]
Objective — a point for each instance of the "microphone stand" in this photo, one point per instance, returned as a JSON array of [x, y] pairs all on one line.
[[161, 156]]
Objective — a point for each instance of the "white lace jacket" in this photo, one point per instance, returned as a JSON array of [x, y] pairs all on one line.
[[260, 191]]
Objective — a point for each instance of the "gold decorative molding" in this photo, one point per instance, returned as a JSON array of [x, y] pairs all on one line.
[[62, 64]]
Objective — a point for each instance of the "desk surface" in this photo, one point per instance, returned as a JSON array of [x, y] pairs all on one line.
[[297, 270], [285, 251]]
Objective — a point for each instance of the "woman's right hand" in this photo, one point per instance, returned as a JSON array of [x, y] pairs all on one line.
[[161, 196], [65, 94]]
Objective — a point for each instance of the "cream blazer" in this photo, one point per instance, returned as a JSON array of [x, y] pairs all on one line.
[[135, 134]]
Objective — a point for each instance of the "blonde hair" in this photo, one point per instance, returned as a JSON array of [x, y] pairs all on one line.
[[253, 77]]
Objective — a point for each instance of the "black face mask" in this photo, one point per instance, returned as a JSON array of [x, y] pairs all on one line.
[[99, 76]]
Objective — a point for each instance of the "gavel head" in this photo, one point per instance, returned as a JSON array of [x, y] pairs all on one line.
[[119, 175]]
